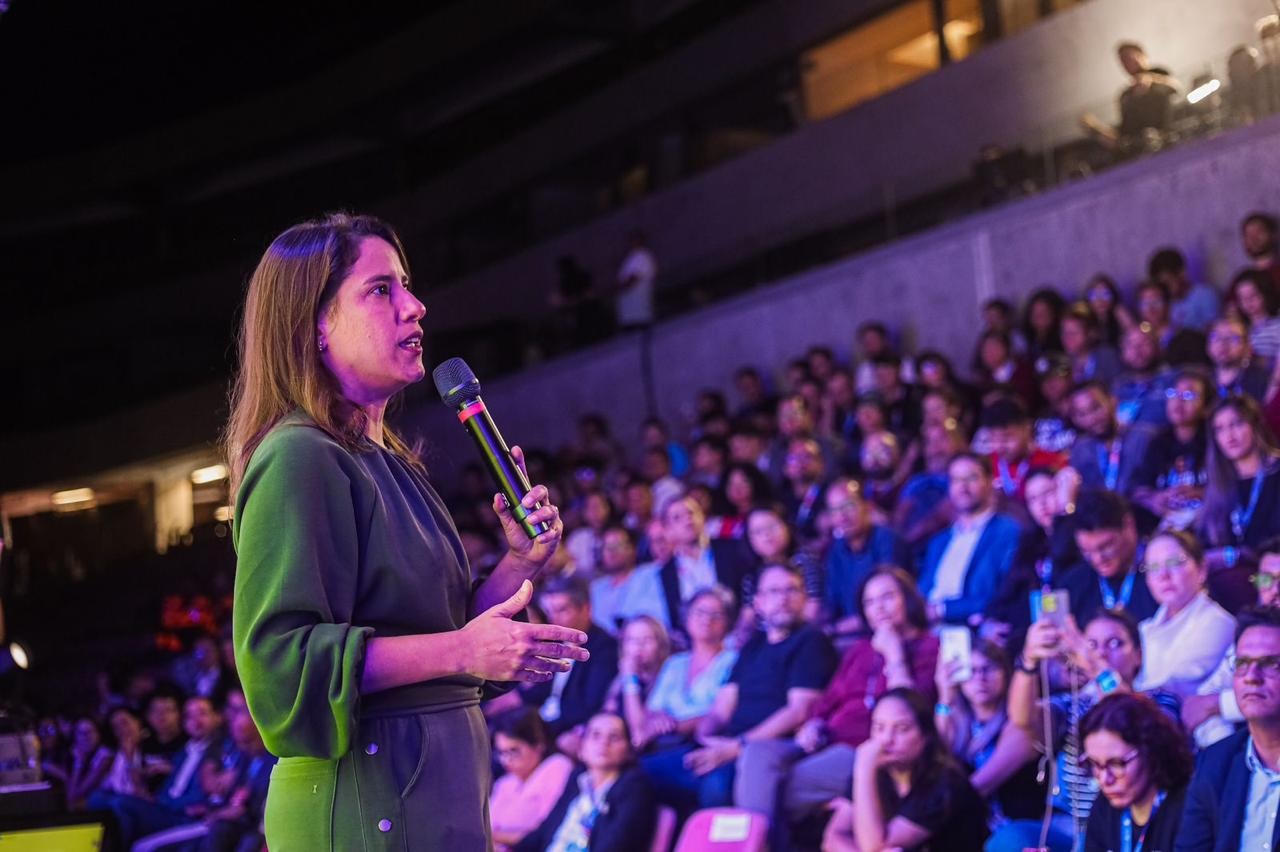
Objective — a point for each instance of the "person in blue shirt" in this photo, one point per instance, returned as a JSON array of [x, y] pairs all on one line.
[[857, 547], [1192, 305]]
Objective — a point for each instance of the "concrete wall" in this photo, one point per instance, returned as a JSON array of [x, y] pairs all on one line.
[[915, 139], [928, 287]]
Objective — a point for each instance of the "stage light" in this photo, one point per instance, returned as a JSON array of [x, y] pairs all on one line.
[[205, 475], [1203, 91], [14, 656], [73, 497]]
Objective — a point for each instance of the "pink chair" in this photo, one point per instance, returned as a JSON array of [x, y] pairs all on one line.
[[724, 830], [665, 830]]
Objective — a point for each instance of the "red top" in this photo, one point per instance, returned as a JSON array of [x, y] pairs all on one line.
[[844, 705], [1017, 473]]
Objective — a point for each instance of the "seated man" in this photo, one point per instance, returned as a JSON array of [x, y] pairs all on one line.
[[183, 795], [1231, 802], [779, 674], [965, 564], [1105, 455], [570, 698], [1139, 390], [857, 547], [1107, 537], [1008, 428], [1234, 370], [1171, 479]]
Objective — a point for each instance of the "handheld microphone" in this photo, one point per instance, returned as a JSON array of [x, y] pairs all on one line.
[[460, 390]]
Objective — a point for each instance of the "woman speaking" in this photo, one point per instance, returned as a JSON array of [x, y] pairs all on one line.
[[361, 639]]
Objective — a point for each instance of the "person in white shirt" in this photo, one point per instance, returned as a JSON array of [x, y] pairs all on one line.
[[1188, 637], [1213, 712], [636, 275]]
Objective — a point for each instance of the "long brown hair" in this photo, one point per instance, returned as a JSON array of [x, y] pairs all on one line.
[[280, 365], [1220, 495]]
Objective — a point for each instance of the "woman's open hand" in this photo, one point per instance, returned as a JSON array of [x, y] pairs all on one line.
[[495, 647]]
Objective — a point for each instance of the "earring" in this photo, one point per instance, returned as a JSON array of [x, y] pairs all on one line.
[[321, 346]]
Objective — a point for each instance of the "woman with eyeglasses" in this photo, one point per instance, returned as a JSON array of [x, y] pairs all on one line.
[[686, 686], [908, 792], [1142, 763], [1242, 498], [535, 776], [1187, 638], [972, 721], [1105, 657], [1169, 483]]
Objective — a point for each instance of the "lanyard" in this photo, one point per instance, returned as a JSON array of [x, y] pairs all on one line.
[[1044, 570], [1126, 827], [1109, 463], [1009, 481], [1109, 599], [806, 505], [1240, 519]]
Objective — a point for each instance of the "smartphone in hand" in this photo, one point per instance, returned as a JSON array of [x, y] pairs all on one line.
[[956, 643]]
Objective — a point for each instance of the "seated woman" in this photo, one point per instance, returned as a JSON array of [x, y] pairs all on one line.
[[773, 542], [533, 781], [1185, 641], [1142, 763], [1241, 499], [643, 648], [972, 722], [88, 763], [817, 765], [608, 805], [908, 792], [687, 684]]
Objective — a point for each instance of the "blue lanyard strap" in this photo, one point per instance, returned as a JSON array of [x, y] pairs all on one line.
[[1109, 463], [1240, 518], [1009, 481], [1109, 599], [1126, 826]]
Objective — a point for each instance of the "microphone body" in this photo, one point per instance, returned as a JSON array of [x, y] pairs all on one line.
[[461, 391]]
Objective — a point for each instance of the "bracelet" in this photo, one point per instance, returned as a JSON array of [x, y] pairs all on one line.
[[1024, 668], [941, 709], [631, 685]]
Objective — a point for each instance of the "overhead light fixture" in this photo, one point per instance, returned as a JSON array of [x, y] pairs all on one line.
[[73, 497], [1203, 91], [212, 473]]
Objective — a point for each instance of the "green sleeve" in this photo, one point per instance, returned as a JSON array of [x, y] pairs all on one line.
[[299, 656]]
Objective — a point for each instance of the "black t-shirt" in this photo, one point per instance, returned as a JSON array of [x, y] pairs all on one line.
[[1103, 831], [1264, 522], [948, 808], [764, 672], [1170, 462], [1083, 586]]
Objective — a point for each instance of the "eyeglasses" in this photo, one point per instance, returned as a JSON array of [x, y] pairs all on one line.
[[1264, 581], [1185, 396], [1115, 643], [779, 592], [1117, 766], [1267, 666], [707, 612], [1108, 551], [1169, 566], [1226, 338]]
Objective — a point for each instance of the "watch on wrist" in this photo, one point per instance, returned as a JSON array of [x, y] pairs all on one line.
[[1025, 668]]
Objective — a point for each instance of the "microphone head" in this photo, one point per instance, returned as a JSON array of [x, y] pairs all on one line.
[[455, 382]]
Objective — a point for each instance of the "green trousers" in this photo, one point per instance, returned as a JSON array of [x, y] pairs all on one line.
[[417, 782]]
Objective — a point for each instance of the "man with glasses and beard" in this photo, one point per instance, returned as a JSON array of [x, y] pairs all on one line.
[[1235, 791]]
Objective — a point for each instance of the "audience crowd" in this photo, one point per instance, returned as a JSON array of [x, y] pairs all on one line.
[[874, 603]]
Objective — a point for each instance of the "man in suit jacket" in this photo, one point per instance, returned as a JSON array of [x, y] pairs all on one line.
[[697, 561], [570, 698], [1234, 794], [965, 563]]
